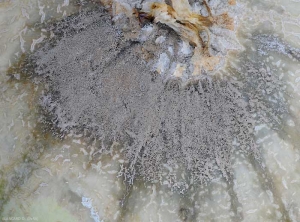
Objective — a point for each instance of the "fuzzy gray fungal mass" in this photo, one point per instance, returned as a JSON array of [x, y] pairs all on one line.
[[269, 43], [97, 81]]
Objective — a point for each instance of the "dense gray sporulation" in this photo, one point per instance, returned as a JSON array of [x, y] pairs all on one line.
[[270, 43], [96, 80]]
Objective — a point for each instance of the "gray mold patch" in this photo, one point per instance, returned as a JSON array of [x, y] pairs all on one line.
[[270, 43], [263, 89], [264, 84], [173, 134]]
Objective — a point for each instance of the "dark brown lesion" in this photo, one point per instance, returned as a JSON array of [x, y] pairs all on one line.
[[142, 16], [207, 8]]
